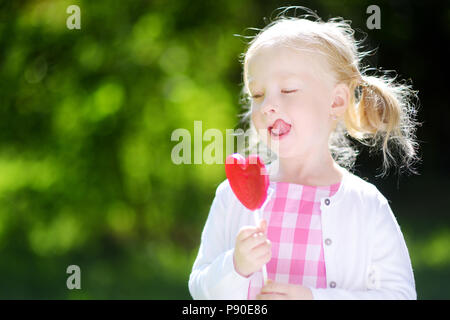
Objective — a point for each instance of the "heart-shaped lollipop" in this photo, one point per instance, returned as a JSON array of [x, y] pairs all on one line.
[[248, 179]]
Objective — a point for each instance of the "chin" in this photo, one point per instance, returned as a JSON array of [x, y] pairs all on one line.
[[283, 150], [285, 154]]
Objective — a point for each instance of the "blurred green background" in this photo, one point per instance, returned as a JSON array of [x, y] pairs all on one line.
[[86, 117]]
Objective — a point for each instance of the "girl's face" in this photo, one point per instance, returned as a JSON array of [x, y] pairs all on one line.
[[291, 100]]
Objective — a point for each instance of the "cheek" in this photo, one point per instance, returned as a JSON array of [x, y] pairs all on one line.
[[252, 118], [259, 125], [256, 119], [312, 109], [308, 118]]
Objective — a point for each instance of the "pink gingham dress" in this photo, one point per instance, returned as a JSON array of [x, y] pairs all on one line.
[[295, 230]]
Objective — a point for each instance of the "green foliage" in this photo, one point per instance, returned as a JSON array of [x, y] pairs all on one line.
[[86, 119]]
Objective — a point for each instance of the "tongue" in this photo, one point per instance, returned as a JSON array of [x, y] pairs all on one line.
[[280, 127]]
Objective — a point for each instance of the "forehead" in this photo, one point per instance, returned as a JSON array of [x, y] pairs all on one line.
[[277, 74], [281, 63]]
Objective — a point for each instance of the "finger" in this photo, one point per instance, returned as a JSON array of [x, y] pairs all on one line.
[[254, 241], [274, 287], [246, 232], [271, 296], [262, 250], [263, 225], [264, 258]]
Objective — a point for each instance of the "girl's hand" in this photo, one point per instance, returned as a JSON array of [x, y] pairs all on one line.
[[252, 249], [281, 291]]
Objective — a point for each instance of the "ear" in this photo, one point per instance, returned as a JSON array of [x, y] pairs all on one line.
[[341, 98]]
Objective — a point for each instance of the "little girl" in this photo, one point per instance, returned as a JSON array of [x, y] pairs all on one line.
[[325, 233]]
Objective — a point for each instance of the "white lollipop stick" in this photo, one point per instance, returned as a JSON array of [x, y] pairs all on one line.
[[257, 219]]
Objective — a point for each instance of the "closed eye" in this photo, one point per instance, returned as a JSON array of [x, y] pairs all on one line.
[[256, 96]]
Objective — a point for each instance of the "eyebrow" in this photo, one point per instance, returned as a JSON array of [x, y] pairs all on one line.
[[281, 75]]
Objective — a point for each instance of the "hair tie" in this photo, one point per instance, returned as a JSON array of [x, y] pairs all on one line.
[[364, 83]]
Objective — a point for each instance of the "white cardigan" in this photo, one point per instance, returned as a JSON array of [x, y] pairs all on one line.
[[366, 259]]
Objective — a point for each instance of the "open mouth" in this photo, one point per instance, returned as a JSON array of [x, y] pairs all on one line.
[[279, 129]]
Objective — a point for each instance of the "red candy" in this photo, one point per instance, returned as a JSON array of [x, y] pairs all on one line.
[[248, 179]]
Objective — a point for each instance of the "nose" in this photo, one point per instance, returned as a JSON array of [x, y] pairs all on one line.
[[269, 107]]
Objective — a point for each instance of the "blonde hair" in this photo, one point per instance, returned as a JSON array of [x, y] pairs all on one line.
[[381, 112]]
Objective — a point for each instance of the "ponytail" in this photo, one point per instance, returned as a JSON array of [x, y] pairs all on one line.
[[385, 112]]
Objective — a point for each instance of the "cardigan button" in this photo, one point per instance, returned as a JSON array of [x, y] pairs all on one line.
[[328, 241], [332, 284], [327, 201]]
